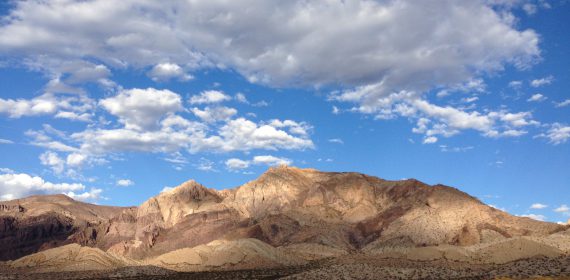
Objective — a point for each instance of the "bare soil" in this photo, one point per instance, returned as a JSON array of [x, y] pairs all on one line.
[[350, 267]]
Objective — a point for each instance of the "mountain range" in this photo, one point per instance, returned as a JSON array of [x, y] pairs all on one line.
[[286, 217]]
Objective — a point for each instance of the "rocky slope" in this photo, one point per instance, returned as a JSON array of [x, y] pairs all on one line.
[[41, 222], [286, 214]]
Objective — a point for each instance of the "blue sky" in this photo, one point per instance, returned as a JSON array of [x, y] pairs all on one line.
[[112, 103]]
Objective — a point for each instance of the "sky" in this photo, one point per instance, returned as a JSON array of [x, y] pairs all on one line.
[[111, 102]]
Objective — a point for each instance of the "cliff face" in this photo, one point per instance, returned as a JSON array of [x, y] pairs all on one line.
[[283, 207]]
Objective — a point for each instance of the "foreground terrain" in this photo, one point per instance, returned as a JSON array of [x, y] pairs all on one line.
[[353, 267], [290, 222]]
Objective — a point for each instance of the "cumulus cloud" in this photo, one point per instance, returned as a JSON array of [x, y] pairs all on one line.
[[214, 114], [293, 43], [271, 160], [167, 71], [556, 134], [177, 133], [535, 217], [408, 50], [52, 160], [125, 182], [538, 206], [293, 127], [209, 97], [242, 135], [430, 140], [541, 82], [65, 106], [75, 159], [142, 108], [240, 97], [19, 185], [537, 97], [562, 209], [563, 103], [235, 164], [515, 84], [91, 195]]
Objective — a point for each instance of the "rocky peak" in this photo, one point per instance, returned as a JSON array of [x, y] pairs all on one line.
[[190, 191], [171, 206]]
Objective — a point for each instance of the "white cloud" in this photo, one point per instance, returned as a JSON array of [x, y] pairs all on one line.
[[537, 97], [410, 51], [214, 114], [335, 110], [515, 84], [166, 189], [445, 148], [167, 71], [541, 82], [469, 99], [177, 133], [75, 159], [6, 170], [515, 119], [205, 164], [67, 106], [242, 135], [271, 160], [53, 160], [563, 103], [530, 8], [293, 43], [41, 138], [292, 126], [91, 195], [430, 140], [535, 217], [176, 158], [562, 209], [538, 206], [20, 185], [557, 134], [6, 141], [209, 97], [125, 182], [336, 140], [236, 164], [240, 97], [142, 108], [261, 103], [447, 121], [513, 133]]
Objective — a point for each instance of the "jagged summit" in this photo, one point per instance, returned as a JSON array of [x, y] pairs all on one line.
[[191, 189]]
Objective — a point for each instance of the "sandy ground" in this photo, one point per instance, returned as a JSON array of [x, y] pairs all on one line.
[[351, 267]]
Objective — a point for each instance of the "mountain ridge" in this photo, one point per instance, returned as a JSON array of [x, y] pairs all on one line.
[[283, 207]]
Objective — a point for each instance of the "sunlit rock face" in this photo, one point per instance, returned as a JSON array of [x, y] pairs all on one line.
[[286, 207]]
